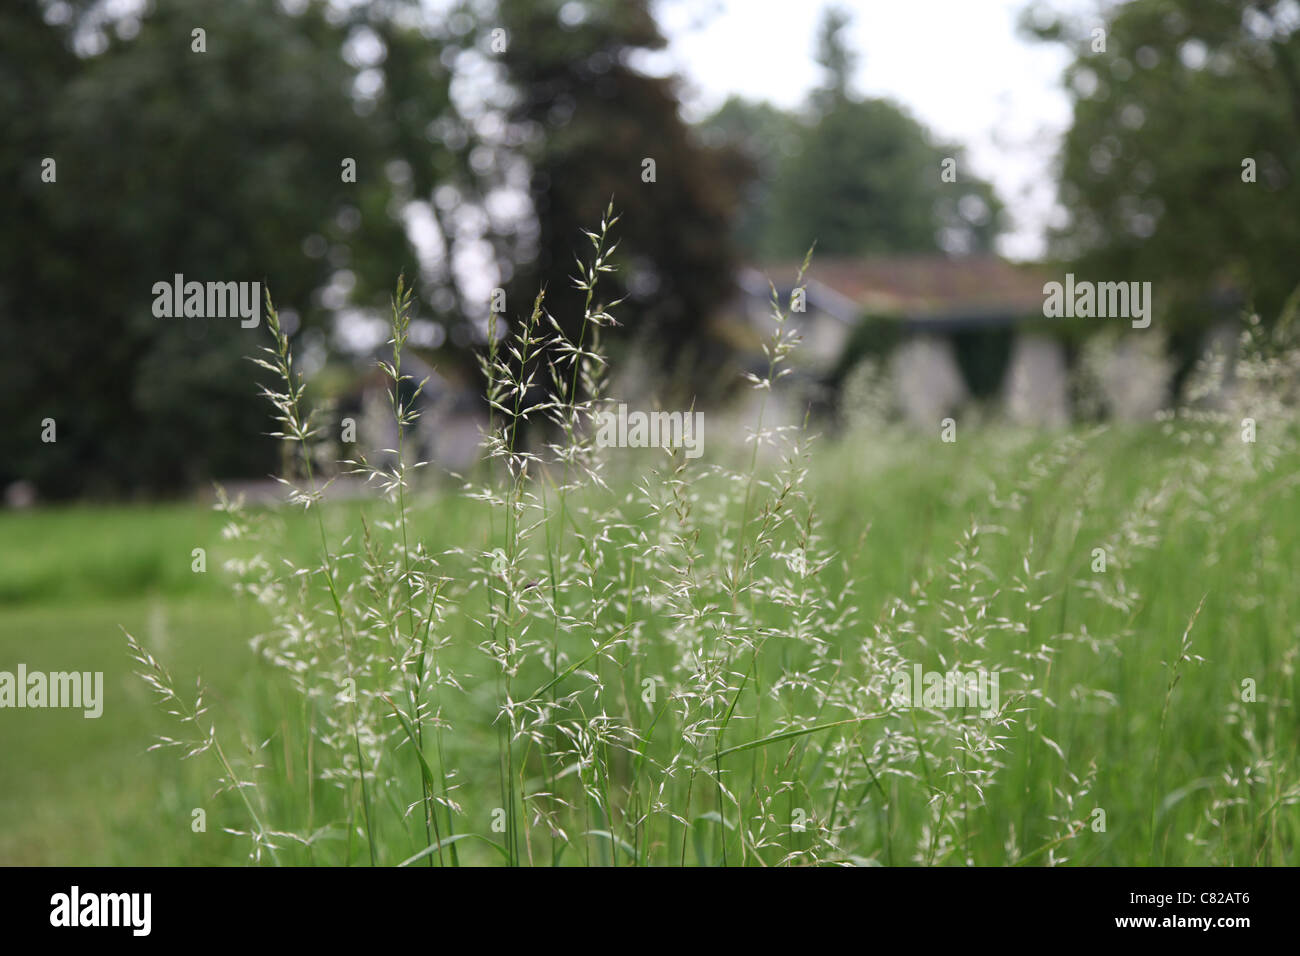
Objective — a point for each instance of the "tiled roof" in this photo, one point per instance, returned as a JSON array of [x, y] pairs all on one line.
[[921, 285]]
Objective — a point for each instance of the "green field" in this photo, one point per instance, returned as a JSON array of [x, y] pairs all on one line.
[[1188, 775]]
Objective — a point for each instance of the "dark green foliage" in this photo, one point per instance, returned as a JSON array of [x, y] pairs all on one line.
[[983, 355], [222, 165], [1152, 173], [596, 120]]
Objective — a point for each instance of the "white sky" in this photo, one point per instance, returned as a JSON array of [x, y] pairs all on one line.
[[959, 66]]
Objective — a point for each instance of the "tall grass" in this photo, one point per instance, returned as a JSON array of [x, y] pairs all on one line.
[[678, 668]]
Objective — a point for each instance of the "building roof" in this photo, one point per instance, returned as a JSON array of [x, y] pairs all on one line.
[[929, 287]]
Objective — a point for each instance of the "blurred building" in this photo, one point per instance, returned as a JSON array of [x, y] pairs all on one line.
[[948, 329], [452, 414]]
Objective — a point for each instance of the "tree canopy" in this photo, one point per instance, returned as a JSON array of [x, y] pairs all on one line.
[[1180, 164], [604, 130], [293, 145], [857, 175]]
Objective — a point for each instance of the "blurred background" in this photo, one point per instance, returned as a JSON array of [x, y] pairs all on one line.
[[946, 158]]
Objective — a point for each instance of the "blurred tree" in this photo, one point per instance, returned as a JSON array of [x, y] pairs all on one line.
[[866, 180], [225, 164], [859, 176], [596, 127], [767, 136], [1177, 103], [836, 58]]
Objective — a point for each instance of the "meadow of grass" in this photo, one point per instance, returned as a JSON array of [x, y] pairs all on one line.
[[613, 656], [86, 791]]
